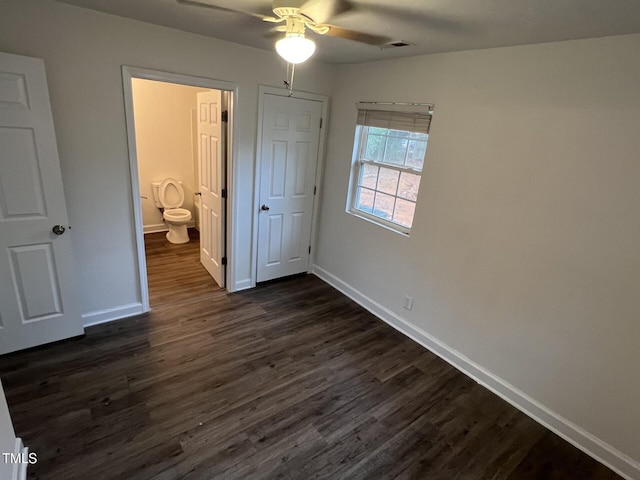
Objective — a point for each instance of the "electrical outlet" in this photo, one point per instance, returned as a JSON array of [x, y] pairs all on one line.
[[407, 304]]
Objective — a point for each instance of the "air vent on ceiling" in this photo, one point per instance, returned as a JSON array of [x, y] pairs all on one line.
[[396, 44]]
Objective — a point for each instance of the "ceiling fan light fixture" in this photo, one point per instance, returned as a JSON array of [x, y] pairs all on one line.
[[295, 48]]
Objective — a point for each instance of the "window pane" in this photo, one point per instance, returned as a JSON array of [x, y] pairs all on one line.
[[415, 154], [399, 133], [375, 147], [388, 166], [403, 213], [364, 200], [396, 150], [408, 186], [419, 136], [388, 181], [368, 175], [383, 206]]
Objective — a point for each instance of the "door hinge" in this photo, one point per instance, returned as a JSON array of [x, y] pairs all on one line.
[[224, 193], [309, 248], [225, 115], [314, 189], [224, 260], [320, 122]]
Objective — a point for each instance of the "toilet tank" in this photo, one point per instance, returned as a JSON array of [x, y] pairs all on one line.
[[155, 187]]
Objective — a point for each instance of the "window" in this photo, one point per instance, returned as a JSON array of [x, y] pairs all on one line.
[[388, 156]]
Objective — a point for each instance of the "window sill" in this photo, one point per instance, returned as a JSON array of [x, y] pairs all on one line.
[[378, 223]]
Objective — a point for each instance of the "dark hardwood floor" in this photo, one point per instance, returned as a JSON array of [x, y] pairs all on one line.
[[288, 380]]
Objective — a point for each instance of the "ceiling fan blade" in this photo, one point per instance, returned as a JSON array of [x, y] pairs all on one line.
[[417, 16], [272, 34], [368, 38], [205, 4], [321, 11]]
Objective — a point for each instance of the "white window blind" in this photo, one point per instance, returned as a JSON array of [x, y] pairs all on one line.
[[406, 121]]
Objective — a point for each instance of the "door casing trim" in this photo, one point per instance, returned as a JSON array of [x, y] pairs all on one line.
[[128, 74]]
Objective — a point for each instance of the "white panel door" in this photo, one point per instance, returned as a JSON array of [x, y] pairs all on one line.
[[38, 299], [211, 173], [290, 140]]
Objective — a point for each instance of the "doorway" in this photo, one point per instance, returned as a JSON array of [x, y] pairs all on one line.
[[179, 131]]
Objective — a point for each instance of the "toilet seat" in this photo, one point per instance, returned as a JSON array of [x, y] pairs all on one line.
[[171, 193], [177, 215]]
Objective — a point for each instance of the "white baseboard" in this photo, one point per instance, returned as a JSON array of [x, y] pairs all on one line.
[[162, 227], [110, 314], [155, 228], [577, 436]]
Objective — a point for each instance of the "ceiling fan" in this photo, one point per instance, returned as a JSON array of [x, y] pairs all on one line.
[[297, 16]]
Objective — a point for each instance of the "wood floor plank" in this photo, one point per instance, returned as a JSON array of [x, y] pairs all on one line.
[[290, 380]]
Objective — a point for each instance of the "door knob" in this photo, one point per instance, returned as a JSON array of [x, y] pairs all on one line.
[[198, 193], [265, 208], [58, 229]]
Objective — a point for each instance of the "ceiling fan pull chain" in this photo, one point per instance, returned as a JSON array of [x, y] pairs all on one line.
[[293, 72], [288, 83]]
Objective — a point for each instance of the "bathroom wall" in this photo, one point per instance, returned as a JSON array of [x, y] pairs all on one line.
[[164, 139]]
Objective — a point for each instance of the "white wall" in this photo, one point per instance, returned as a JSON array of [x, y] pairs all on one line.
[[164, 142], [83, 52], [525, 251]]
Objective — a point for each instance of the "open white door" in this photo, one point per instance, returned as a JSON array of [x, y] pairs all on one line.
[[211, 173], [38, 300], [290, 140]]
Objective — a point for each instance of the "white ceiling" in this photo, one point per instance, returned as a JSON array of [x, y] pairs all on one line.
[[430, 26]]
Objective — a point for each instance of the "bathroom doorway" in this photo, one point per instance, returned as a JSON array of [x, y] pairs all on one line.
[[180, 142]]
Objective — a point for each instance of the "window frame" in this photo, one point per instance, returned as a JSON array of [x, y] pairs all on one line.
[[358, 162]]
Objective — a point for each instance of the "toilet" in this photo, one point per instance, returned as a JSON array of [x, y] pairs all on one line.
[[169, 195]]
